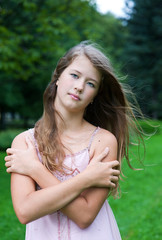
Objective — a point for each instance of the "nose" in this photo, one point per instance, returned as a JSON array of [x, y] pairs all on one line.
[[79, 86]]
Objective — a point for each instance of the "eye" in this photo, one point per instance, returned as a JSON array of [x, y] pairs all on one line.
[[91, 84], [75, 76]]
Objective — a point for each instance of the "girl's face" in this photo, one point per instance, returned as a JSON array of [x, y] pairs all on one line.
[[77, 85]]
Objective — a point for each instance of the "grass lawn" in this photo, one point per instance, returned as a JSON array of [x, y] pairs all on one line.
[[10, 228], [138, 212]]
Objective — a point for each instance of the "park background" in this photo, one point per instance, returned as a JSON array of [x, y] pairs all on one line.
[[34, 34]]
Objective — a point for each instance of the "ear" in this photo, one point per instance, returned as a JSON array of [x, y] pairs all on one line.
[[57, 82]]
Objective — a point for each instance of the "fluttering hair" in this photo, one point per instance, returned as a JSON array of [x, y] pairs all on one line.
[[110, 109]]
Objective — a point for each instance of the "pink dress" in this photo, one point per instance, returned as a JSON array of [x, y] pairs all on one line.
[[57, 226]]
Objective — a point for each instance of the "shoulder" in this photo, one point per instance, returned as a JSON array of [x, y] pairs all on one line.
[[19, 141], [104, 139], [102, 135]]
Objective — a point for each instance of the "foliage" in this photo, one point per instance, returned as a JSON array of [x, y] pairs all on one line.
[[144, 51], [7, 136], [110, 30], [34, 34]]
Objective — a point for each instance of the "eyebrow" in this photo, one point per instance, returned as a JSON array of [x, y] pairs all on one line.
[[89, 78]]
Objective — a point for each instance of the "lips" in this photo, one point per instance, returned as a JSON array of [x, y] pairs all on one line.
[[74, 96]]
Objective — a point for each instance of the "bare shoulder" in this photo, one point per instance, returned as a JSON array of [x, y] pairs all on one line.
[[104, 139], [19, 140]]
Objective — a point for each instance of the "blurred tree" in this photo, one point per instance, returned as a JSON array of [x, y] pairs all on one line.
[[34, 34], [112, 35], [144, 50]]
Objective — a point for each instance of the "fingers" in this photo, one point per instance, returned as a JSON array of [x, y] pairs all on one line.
[[9, 170], [114, 179], [10, 151], [112, 185], [101, 156], [8, 164], [116, 172], [7, 158], [8, 161], [114, 163]]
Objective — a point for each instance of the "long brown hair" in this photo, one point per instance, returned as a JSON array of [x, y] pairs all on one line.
[[110, 109]]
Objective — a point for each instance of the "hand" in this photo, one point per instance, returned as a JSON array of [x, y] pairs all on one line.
[[103, 174], [22, 161]]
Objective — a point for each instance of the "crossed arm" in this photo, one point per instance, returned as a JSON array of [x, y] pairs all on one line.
[[69, 196]]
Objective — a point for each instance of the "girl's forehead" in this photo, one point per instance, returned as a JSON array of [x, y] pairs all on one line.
[[80, 58], [83, 65]]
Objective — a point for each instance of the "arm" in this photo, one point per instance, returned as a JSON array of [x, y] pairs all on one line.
[[30, 204], [91, 200]]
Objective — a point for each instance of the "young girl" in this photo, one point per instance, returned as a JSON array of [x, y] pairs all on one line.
[[85, 110]]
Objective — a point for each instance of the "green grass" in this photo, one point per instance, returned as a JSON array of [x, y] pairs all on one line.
[[10, 227], [138, 211]]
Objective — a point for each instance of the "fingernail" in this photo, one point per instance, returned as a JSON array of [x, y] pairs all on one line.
[[106, 150]]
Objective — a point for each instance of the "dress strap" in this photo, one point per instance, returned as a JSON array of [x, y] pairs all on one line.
[[31, 131], [92, 137]]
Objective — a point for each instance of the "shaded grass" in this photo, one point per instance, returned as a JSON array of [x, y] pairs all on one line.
[[138, 211]]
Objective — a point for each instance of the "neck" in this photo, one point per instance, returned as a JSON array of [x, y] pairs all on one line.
[[71, 121]]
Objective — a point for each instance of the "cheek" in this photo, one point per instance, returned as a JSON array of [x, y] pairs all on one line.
[[91, 94], [65, 82], [63, 85]]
